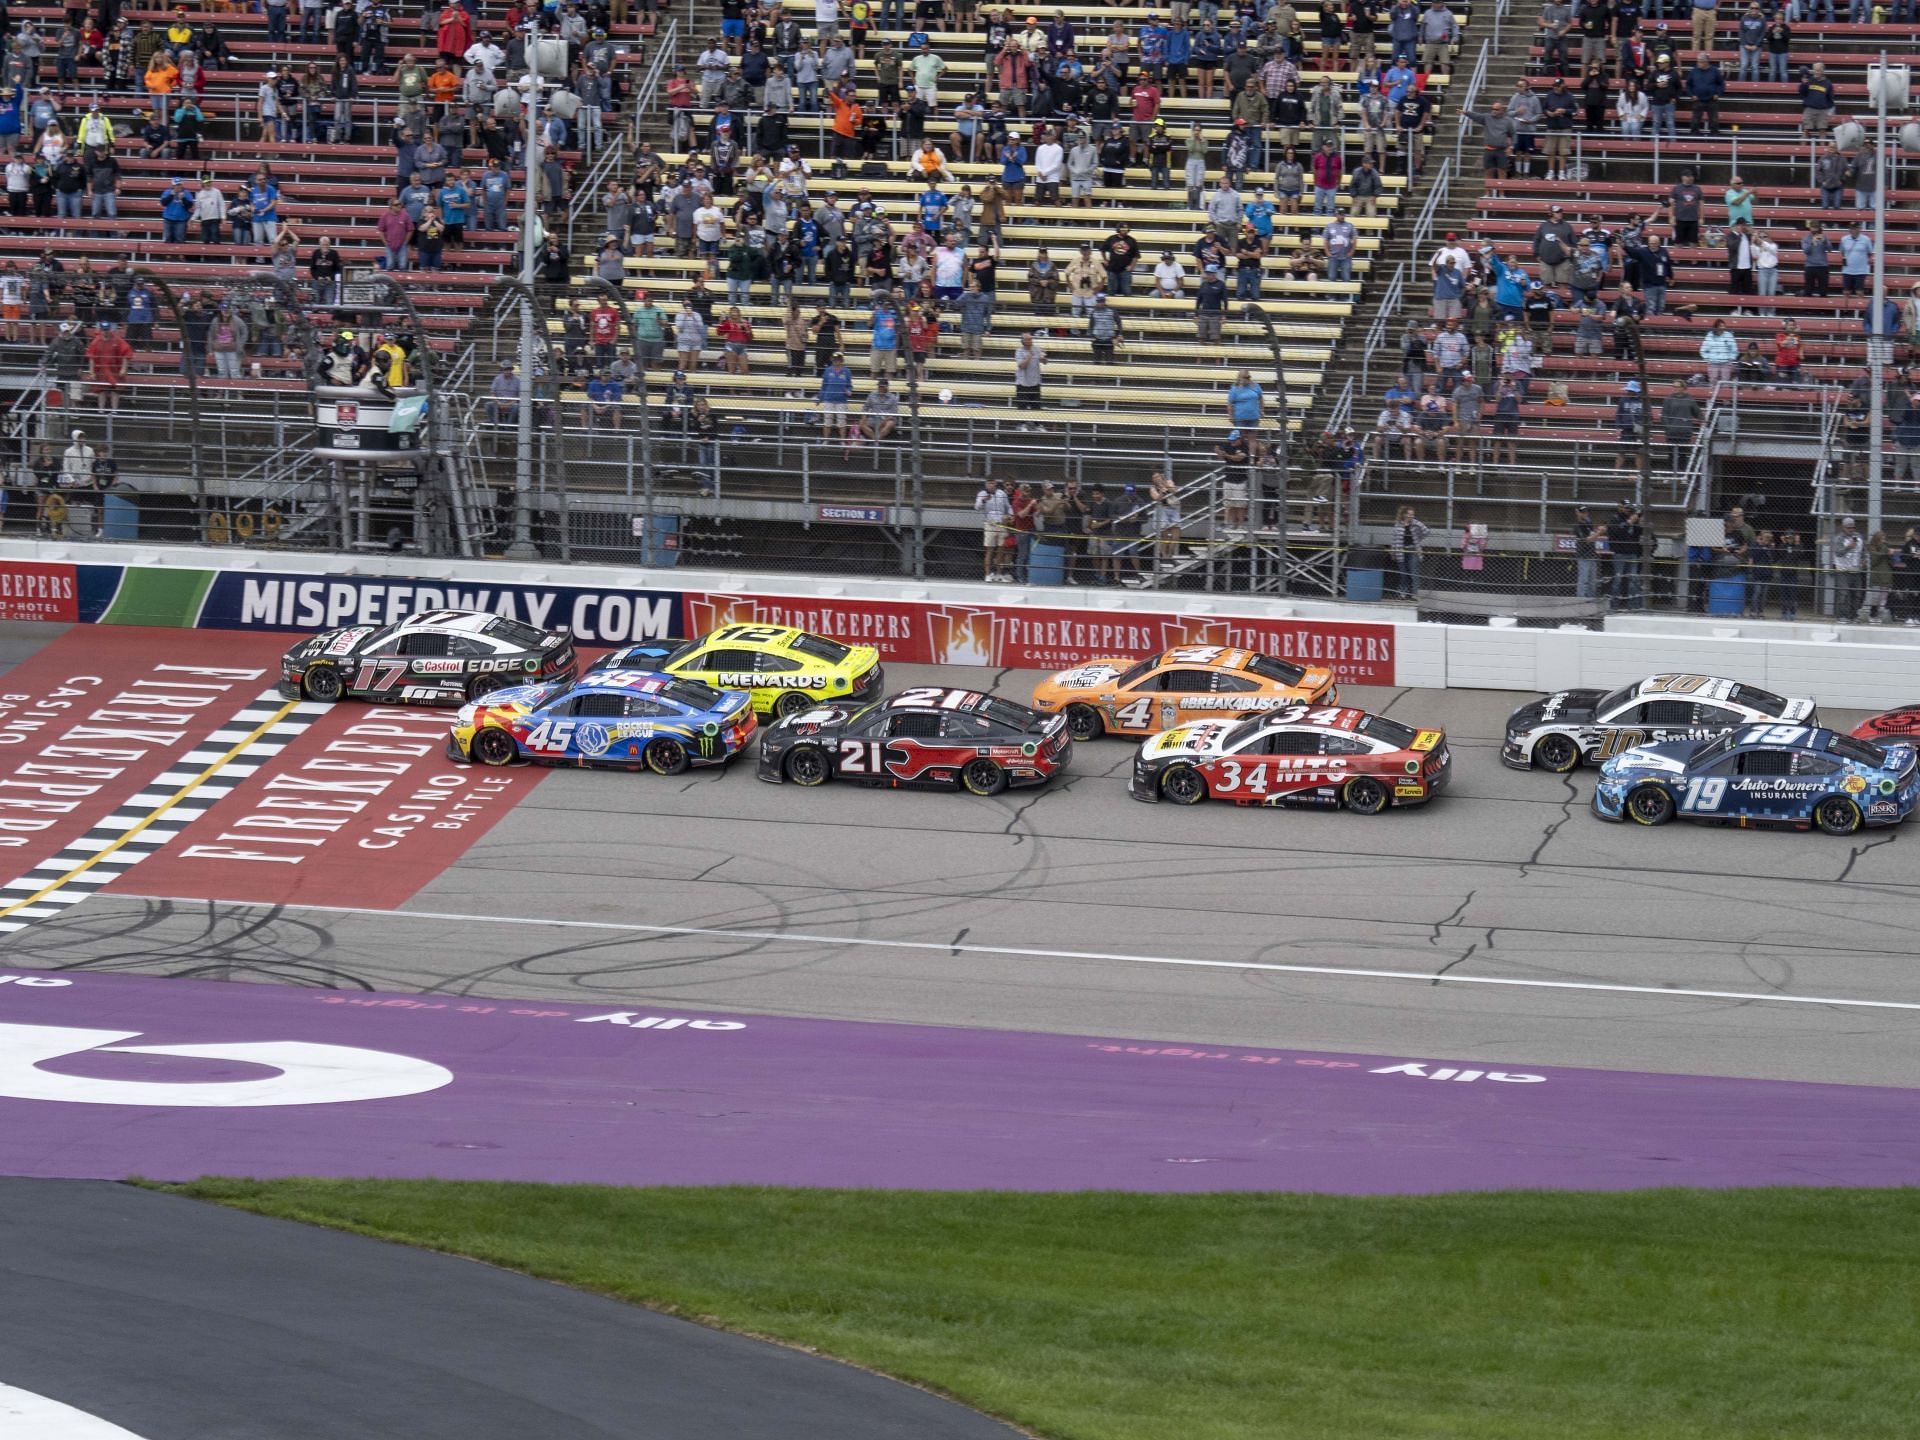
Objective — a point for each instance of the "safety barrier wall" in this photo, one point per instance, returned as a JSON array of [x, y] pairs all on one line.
[[942, 624]]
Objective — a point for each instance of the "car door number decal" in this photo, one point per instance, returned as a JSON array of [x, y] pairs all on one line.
[[1704, 792], [1134, 713], [860, 757], [379, 674], [1234, 774], [550, 737]]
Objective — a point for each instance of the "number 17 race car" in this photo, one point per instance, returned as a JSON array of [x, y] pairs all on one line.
[[1328, 757], [438, 657], [1796, 776], [920, 738]]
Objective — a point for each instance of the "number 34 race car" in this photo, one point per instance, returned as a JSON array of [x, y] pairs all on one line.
[[1188, 682], [1791, 775], [1328, 757], [920, 738], [612, 719], [439, 657]]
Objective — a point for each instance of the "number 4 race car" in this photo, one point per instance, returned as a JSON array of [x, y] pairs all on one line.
[[1328, 757], [785, 670], [613, 719], [1557, 733], [439, 657], [1791, 775], [920, 738], [1188, 682]]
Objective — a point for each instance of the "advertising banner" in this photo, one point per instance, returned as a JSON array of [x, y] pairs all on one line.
[[30, 590]]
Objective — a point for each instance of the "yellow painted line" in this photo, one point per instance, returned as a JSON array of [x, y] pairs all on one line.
[[172, 800]]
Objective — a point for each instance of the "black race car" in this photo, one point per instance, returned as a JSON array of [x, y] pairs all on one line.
[[921, 738], [439, 657]]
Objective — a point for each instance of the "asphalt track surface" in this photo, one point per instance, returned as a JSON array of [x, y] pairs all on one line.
[[1503, 924], [182, 1321]]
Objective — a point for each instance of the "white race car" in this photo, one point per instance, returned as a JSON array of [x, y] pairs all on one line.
[[1570, 726]]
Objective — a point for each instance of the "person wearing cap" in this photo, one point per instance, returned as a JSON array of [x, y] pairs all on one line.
[[1586, 555], [1629, 419], [1663, 88], [1553, 245], [1849, 571], [1209, 306]]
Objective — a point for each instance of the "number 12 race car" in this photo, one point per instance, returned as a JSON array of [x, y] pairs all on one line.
[[1791, 775], [612, 719], [438, 657], [1557, 733], [1328, 757], [925, 737], [1188, 682]]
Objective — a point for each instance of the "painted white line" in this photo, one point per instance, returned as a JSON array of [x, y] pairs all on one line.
[[34, 1417], [1423, 977]]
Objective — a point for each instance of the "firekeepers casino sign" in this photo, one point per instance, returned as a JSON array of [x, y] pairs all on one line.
[[1040, 638]]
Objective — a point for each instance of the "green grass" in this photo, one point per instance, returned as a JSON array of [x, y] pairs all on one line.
[[1776, 1313]]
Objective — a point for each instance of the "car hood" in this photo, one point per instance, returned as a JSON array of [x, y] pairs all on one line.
[[1572, 707], [1090, 675], [343, 641], [1199, 740], [1668, 757]]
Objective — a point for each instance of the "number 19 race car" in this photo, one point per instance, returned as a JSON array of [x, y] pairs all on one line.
[[920, 738], [1559, 732], [785, 670], [1188, 682], [612, 719], [1788, 775], [439, 657], [1329, 757]]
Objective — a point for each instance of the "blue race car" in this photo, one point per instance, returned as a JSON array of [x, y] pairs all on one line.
[[611, 719], [1797, 776]]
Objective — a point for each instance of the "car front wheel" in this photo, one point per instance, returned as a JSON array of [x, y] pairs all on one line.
[[494, 746], [807, 766], [323, 683], [1084, 722], [1650, 805], [1556, 753], [1183, 785]]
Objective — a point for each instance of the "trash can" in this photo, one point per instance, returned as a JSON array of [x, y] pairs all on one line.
[[1365, 584], [1728, 596], [1047, 565]]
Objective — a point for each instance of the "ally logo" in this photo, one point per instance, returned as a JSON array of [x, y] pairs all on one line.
[[306, 1073]]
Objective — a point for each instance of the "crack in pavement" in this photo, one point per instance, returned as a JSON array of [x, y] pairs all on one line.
[[1464, 956], [965, 930], [1458, 911], [1553, 827]]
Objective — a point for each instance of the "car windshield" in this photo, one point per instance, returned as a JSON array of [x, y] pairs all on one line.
[[1268, 668], [1714, 748], [1614, 699], [819, 647], [1754, 698], [1243, 732], [680, 652], [692, 694], [1135, 671], [1391, 732], [514, 633], [1860, 752], [542, 696]]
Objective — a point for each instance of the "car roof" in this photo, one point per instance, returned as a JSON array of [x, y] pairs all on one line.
[[628, 682], [465, 622], [1810, 738], [1342, 718], [926, 698], [781, 637], [1218, 657], [1686, 687]]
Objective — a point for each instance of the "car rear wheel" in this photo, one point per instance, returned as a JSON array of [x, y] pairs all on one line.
[[1837, 815], [481, 685], [1557, 753], [1183, 785], [791, 704], [983, 777], [1650, 805], [666, 756], [494, 746], [1365, 795], [807, 766], [323, 683], [1084, 722]]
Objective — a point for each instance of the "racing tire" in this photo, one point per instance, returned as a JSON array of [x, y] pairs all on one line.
[[983, 777], [1183, 785], [807, 766], [1364, 795], [1649, 805], [1837, 815], [493, 746], [792, 703], [481, 686], [1084, 723], [666, 756], [323, 683], [1557, 753]]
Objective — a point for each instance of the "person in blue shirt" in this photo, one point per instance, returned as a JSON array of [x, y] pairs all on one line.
[[1259, 214], [495, 185], [415, 199], [263, 200], [11, 103], [933, 209], [176, 208], [807, 229], [1398, 393], [456, 207], [140, 313], [836, 389], [1397, 81], [886, 341], [1509, 285], [1246, 401], [1013, 168]]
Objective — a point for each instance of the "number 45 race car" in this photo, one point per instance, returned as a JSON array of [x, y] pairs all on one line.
[[1790, 775], [612, 719], [1329, 757], [920, 738], [439, 657]]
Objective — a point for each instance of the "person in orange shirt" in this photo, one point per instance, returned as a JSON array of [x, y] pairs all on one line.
[[162, 74], [847, 116], [443, 84]]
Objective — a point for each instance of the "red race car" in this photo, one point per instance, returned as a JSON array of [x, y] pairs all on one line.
[[1327, 757], [924, 737], [1900, 723]]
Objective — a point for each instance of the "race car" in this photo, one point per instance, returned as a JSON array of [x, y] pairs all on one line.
[[921, 738], [1570, 726], [1900, 723], [1326, 757], [785, 670], [438, 657], [612, 719], [1798, 776], [1188, 682]]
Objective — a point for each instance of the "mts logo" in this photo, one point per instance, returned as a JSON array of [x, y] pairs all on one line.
[[634, 1020], [1418, 1069]]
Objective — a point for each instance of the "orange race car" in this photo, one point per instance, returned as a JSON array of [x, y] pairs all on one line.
[[1186, 683]]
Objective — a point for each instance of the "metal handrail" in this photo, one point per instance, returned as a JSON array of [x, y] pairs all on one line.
[[1467, 101], [1437, 196], [1390, 301]]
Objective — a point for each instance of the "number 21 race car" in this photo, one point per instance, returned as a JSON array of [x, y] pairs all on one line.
[[612, 719], [924, 737], [1796, 776], [1329, 757], [1188, 682], [438, 657]]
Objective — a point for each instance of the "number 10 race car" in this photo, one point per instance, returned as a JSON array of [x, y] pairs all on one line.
[[439, 657], [1329, 757], [1559, 732], [925, 737]]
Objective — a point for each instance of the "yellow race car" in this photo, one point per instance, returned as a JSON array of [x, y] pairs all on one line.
[[785, 670]]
